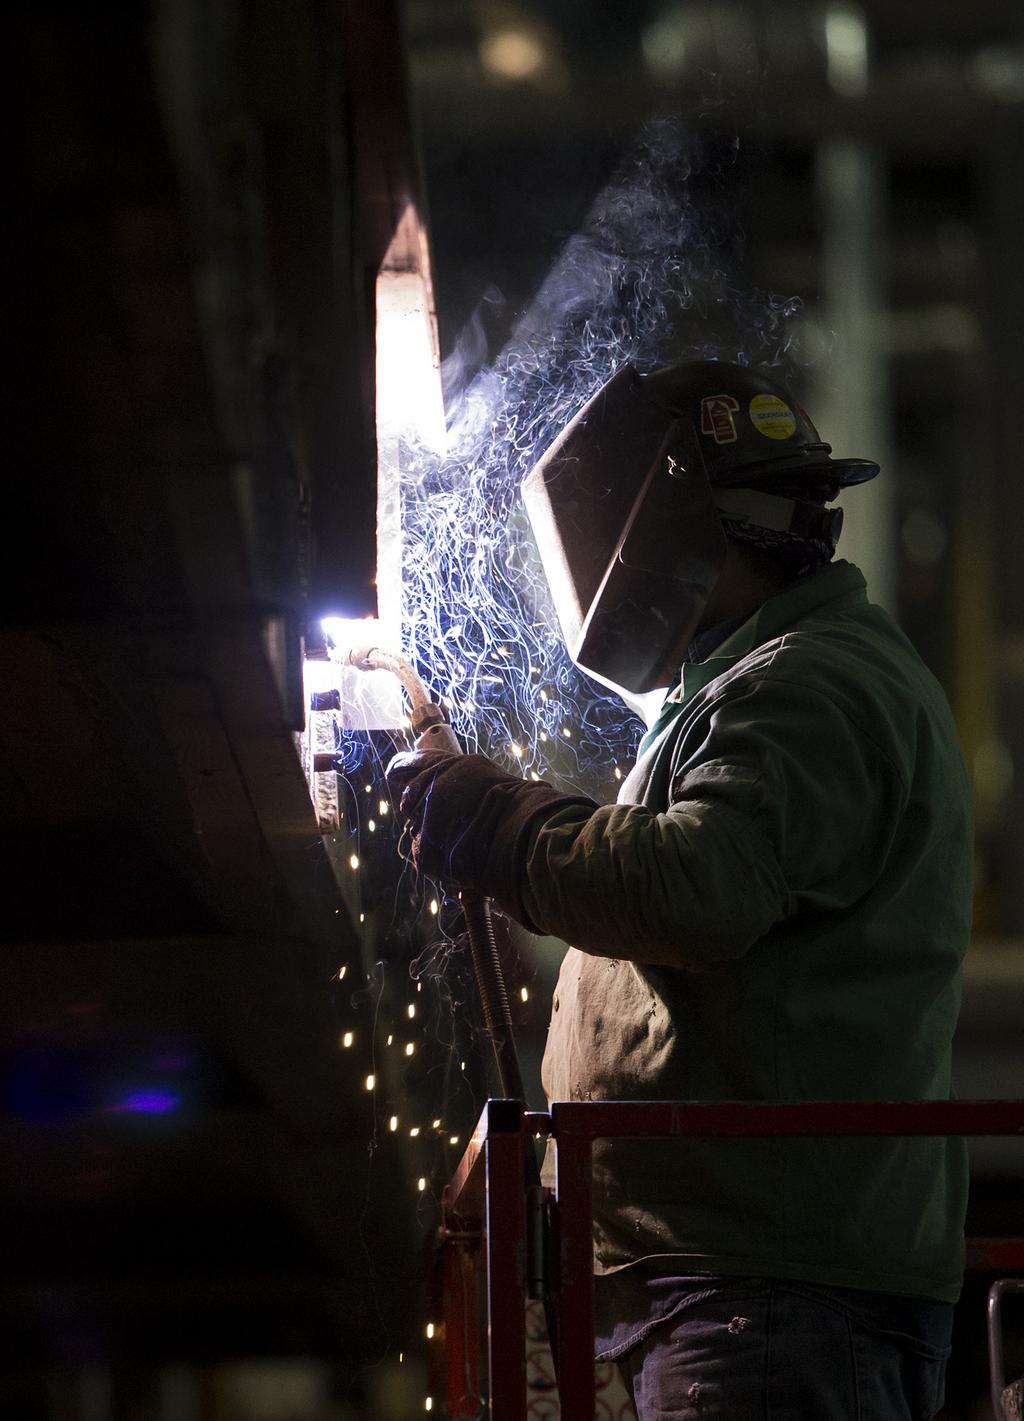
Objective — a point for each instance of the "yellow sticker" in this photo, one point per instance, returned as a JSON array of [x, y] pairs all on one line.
[[772, 417]]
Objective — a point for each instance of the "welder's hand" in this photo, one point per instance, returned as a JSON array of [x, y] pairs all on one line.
[[471, 821]]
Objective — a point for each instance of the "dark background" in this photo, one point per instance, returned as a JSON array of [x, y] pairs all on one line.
[[205, 1212]]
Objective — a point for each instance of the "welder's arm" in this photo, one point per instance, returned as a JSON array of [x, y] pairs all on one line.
[[693, 885], [782, 804], [618, 881], [783, 800]]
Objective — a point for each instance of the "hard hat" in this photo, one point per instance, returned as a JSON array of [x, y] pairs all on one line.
[[631, 504], [750, 431]]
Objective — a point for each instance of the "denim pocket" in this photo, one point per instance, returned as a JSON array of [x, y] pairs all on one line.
[[900, 1348], [898, 1375], [861, 1355]]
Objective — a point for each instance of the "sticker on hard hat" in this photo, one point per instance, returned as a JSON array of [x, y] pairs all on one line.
[[716, 418], [772, 417]]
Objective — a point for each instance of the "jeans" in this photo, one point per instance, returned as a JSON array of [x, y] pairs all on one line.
[[760, 1349]]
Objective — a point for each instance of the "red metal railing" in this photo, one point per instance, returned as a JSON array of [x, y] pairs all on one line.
[[486, 1201]]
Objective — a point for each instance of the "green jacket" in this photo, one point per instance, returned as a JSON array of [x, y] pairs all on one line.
[[776, 909]]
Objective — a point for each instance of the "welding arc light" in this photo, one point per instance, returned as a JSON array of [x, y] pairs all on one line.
[[365, 700], [345, 633]]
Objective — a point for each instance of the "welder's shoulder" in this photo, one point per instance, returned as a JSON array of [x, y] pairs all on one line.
[[865, 668]]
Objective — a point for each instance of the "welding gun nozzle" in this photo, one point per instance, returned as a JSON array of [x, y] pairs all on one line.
[[433, 732]]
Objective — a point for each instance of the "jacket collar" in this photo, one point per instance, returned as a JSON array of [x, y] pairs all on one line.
[[838, 581]]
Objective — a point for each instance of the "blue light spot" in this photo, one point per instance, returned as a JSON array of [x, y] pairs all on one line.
[[150, 1102]]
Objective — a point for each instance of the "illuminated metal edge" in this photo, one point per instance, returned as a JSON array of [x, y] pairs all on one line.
[[375, 156], [409, 412], [464, 1194]]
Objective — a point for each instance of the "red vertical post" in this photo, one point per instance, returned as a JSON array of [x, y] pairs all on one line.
[[574, 1203], [461, 1339], [506, 1260]]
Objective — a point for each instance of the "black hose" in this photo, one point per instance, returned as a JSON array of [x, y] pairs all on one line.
[[490, 981]]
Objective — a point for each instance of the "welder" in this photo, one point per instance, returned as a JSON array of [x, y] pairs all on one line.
[[775, 909]]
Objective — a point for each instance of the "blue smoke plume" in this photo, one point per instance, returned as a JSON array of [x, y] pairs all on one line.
[[647, 281]]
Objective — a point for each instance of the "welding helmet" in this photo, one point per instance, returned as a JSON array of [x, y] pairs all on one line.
[[632, 503]]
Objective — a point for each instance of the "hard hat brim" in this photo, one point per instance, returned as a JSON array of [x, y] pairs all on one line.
[[854, 471]]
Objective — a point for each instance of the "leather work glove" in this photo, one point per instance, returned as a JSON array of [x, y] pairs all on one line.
[[471, 821]]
